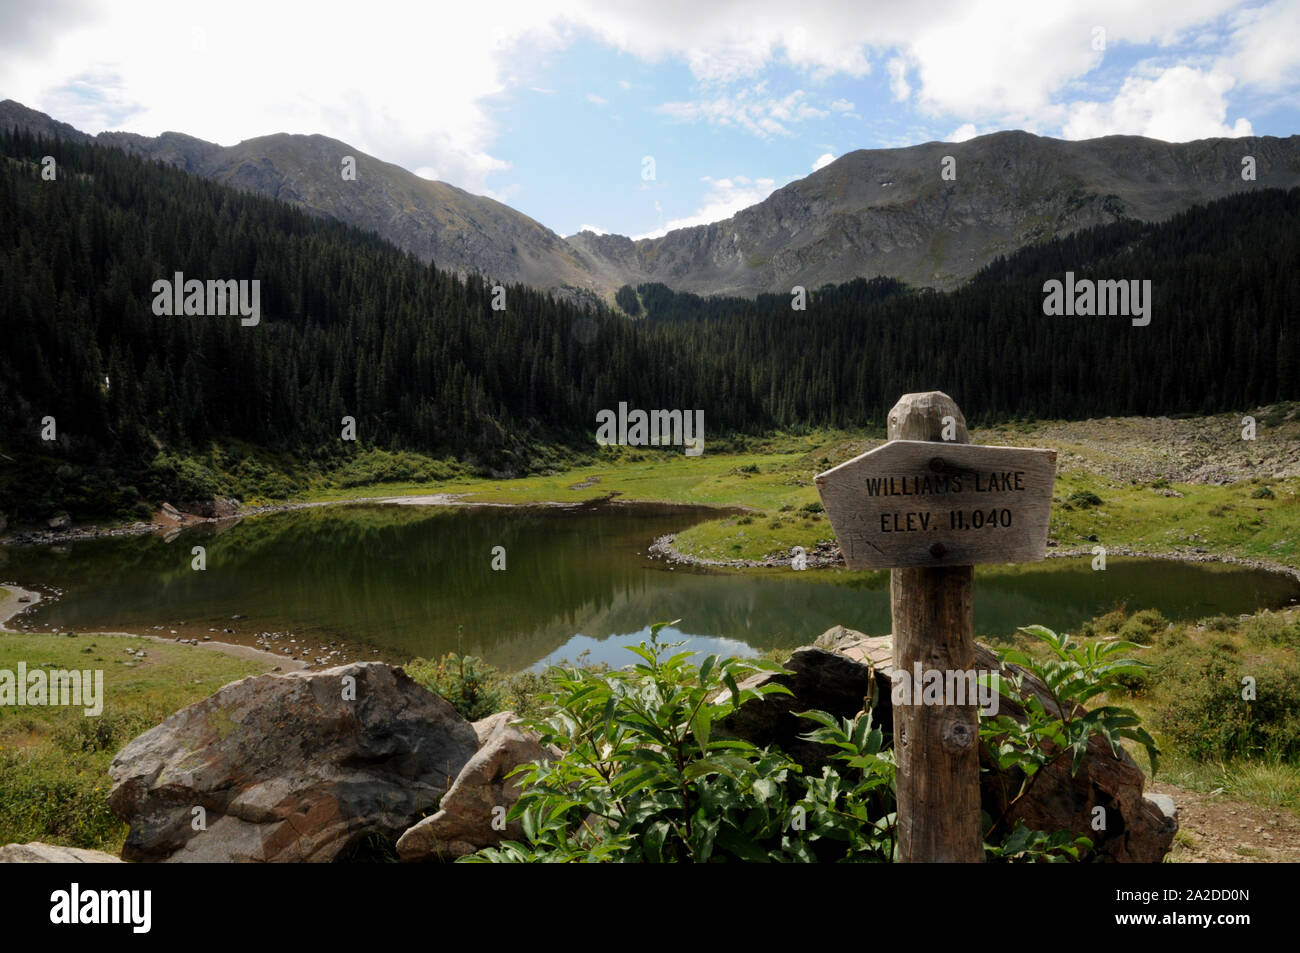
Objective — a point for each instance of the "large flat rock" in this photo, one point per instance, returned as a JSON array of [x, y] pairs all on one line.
[[304, 766]]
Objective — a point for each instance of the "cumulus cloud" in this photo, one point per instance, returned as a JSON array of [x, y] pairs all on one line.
[[823, 161], [595, 229], [898, 84], [1175, 104], [723, 199], [963, 132], [598, 100], [1263, 50], [154, 65]]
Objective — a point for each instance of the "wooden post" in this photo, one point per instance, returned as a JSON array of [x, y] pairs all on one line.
[[937, 746], [929, 512]]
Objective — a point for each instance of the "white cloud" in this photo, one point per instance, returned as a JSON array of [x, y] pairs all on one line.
[[624, 84], [596, 229], [846, 109], [963, 132], [153, 65], [1175, 104], [1265, 49], [991, 63], [823, 161], [762, 117], [598, 100], [723, 199], [898, 84]]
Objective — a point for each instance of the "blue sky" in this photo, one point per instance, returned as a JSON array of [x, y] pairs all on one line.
[[553, 106]]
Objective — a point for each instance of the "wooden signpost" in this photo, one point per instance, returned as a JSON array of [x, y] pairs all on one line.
[[930, 509]]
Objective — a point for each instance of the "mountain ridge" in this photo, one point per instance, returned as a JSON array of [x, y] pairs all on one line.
[[871, 212]]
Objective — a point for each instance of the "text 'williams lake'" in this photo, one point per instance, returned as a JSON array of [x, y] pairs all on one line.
[[1005, 481]]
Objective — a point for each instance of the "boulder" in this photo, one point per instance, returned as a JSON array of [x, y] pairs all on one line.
[[821, 679], [62, 521], [472, 814], [1138, 829], [36, 852], [219, 507], [303, 766]]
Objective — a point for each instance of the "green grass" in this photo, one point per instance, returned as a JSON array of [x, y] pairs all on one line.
[[1211, 739], [1221, 519], [54, 761]]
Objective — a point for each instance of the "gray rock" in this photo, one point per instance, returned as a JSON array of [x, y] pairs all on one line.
[[1167, 808], [472, 815], [36, 852], [286, 769], [62, 521]]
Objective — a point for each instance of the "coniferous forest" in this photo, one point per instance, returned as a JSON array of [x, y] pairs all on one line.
[[352, 326]]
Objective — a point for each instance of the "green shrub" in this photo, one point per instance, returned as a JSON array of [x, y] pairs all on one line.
[[1209, 720], [812, 508], [1262, 493], [646, 774], [1104, 625], [468, 683], [50, 795], [1270, 628], [1082, 499], [382, 466], [1146, 627], [107, 732], [1073, 674]]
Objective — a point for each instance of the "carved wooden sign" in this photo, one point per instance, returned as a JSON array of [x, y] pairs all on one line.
[[925, 503]]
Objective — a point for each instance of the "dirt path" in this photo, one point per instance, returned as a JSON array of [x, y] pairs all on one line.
[[1216, 829]]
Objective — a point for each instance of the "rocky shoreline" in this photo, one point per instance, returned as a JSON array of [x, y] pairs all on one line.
[[14, 600]]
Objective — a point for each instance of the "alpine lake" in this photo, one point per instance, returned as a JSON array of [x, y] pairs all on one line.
[[395, 582]]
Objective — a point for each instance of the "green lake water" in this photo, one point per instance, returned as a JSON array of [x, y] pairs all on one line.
[[404, 578]]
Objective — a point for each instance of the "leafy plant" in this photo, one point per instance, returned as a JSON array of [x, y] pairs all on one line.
[[467, 682], [643, 775], [1072, 674], [1023, 844], [645, 772]]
